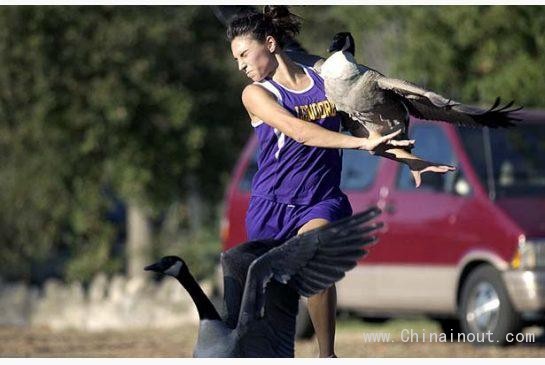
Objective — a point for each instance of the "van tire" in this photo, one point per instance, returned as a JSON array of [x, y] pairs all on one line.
[[485, 285], [303, 324]]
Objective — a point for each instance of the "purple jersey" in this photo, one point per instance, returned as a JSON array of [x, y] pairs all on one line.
[[290, 172]]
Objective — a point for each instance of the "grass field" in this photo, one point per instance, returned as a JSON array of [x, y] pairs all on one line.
[[26, 342]]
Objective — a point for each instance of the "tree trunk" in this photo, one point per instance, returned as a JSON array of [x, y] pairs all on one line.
[[138, 240]]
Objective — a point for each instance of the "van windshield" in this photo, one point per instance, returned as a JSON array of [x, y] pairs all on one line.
[[509, 162]]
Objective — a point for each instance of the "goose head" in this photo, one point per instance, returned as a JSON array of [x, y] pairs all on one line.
[[176, 267], [168, 265], [341, 65], [343, 42]]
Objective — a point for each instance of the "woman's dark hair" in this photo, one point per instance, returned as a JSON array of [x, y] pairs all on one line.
[[276, 21]]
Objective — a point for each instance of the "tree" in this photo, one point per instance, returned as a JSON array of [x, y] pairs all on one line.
[[97, 99]]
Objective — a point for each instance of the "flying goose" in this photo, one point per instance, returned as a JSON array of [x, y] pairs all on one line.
[[382, 104], [262, 283]]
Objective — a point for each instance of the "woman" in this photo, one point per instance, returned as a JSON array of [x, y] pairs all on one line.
[[296, 187]]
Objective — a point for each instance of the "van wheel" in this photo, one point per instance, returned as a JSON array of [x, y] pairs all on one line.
[[485, 307], [303, 325]]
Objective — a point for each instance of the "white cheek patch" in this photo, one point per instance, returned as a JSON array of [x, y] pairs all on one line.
[[174, 270]]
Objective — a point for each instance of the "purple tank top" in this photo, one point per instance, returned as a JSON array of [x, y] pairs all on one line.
[[290, 172]]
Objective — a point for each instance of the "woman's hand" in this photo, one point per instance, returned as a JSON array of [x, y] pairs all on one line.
[[418, 168], [372, 144]]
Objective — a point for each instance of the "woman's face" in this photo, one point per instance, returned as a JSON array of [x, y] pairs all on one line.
[[254, 58]]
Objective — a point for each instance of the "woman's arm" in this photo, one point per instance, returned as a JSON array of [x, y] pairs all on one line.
[[262, 104]]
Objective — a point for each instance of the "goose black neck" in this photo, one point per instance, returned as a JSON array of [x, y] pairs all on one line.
[[204, 306], [351, 47]]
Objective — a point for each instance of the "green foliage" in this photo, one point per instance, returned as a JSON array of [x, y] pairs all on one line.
[[94, 97], [200, 250]]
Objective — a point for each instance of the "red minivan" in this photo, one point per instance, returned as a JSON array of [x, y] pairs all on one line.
[[466, 248]]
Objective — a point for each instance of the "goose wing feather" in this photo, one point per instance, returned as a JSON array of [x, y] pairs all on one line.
[[235, 263], [428, 105]]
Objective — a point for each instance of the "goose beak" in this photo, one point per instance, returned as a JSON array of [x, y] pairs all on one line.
[[153, 267], [334, 47]]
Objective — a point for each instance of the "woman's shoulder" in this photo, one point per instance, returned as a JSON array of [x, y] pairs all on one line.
[[262, 88]]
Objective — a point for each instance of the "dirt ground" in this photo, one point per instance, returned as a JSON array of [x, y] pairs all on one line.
[[33, 342]]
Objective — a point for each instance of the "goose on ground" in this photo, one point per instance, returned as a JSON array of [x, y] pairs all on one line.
[[263, 280]]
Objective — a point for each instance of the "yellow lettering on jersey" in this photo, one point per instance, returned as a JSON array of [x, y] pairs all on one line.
[[315, 111]]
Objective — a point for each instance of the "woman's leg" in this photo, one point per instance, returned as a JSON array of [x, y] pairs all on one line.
[[322, 306]]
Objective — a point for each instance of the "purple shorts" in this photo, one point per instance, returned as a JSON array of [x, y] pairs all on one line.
[[267, 219]]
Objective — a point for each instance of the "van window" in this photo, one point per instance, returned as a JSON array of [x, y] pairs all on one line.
[[359, 169], [474, 143], [431, 145], [516, 161]]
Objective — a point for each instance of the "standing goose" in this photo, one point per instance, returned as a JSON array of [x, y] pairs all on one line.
[[262, 283], [381, 104]]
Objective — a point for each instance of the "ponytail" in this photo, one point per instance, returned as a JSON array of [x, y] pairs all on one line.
[[276, 21]]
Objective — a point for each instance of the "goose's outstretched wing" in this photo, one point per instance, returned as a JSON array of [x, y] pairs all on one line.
[[281, 302], [425, 104], [309, 262], [235, 263]]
